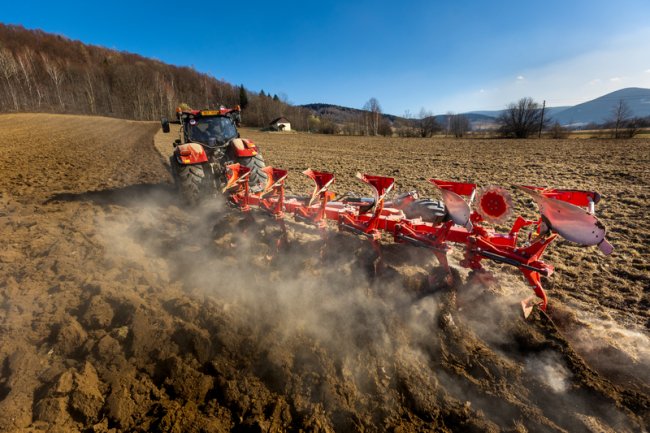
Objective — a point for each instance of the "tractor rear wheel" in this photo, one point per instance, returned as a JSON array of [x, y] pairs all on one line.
[[194, 182], [257, 178], [432, 211]]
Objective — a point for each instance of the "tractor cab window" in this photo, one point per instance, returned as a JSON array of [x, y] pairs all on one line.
[[204, 128]]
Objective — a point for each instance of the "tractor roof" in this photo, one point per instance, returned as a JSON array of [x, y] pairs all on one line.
[[206, 113]]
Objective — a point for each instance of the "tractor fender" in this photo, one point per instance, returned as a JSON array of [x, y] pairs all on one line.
[[243, 147], [190, 153]]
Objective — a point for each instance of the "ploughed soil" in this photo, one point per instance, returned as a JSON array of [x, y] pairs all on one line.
[[122, 310]]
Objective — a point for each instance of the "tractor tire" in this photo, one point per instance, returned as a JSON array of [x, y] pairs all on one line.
[[193, 182], [432, 211], [257, 178]]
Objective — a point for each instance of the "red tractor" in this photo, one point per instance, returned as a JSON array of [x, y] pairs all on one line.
[[208, 142]]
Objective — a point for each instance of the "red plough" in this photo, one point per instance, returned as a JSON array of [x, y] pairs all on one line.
[[568, 213]]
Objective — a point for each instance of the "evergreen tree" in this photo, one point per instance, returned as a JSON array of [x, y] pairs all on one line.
[[243, 97]]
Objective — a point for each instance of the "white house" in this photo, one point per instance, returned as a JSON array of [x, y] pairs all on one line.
[[281, 124]]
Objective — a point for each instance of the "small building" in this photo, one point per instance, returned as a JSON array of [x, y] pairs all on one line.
[[280, 124]]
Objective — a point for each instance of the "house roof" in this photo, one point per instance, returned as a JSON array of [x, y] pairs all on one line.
[[279, 120]]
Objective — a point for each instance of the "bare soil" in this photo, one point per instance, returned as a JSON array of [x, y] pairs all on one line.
[[121, 310]]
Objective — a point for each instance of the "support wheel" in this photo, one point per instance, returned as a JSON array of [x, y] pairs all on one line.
[[432, 211]]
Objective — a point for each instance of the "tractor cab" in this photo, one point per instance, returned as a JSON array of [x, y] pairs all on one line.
[[210, 131], [211, 128]]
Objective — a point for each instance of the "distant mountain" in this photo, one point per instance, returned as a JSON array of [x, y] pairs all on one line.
[[472, 117], [339, 113], [476, 120], [597, 110], [551, 112], [600, 110]]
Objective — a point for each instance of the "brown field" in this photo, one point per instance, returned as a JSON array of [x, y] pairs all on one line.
[[122, 311]]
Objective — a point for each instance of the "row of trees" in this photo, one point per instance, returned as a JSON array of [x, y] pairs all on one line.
[[525, 118], [371, 121], [41, 72], [622, 123], [522, 119]]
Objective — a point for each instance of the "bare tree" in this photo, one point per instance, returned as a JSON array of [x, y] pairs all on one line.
[[427, 123], [522, 119], [56, 74], [634, 127], [170, 94], [447, 118], [374, 112], [349, 128], [9, 69], [620, 117], [558, 131], [25, 60], [385, 127], [328, 126], [89, 90], [407, 126], [458, 125]]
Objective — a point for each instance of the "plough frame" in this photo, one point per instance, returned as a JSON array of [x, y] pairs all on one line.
[[370, 218]]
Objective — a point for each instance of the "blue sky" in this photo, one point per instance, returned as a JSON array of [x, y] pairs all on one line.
[[441, 56]]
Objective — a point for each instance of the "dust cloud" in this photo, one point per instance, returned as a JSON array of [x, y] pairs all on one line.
[[315, 307]]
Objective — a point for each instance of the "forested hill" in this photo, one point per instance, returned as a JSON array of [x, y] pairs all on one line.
[[42, 72]]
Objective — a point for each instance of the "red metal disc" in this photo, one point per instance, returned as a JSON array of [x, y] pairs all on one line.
[[494, 204]]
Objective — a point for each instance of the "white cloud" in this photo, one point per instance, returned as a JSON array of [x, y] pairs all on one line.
[[615, 79], [520, 78], [647, 71], [595, 81]]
